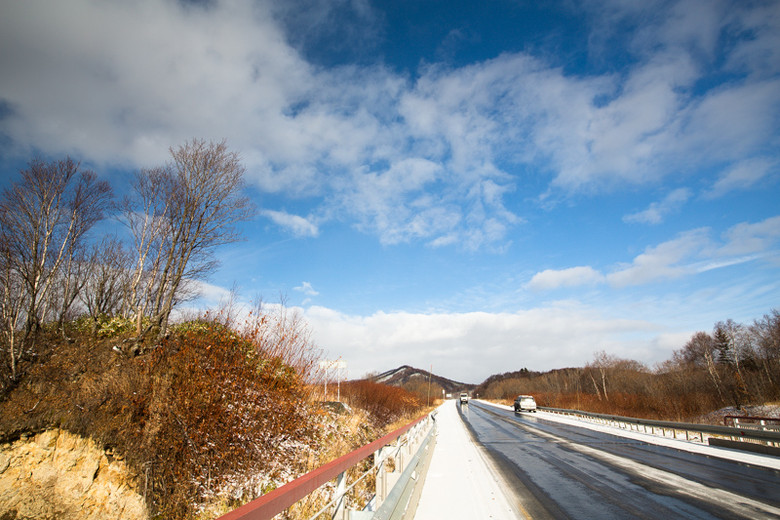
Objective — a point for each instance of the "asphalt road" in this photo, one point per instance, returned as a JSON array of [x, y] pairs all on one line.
[[560, 471]]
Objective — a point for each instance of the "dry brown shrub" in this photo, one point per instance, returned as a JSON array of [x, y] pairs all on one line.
[[384, 404], [208, 418], [206, 415]]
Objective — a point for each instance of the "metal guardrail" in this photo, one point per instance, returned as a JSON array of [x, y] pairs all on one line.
[[690, 431], [751, 422], [278, 500], [402, 500]]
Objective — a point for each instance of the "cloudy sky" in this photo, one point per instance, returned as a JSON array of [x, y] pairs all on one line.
[[473, 186]]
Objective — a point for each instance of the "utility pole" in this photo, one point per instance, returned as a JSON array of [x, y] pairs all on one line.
[[327, 368], [429, 385]]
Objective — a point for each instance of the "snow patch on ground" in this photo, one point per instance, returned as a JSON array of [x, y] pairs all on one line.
[[764, 410], [461, 482]]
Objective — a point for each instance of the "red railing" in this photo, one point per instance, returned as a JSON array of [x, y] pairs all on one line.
[[273, 503]]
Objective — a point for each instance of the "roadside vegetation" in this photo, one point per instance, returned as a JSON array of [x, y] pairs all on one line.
[[210, 417], [389, 404], [208, 411], [367, 411], [736, 366]]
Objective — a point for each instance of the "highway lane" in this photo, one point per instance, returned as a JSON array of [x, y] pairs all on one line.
[[560, 471]]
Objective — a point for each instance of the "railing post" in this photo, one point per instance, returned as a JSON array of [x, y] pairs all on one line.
[[341, 486], [381, 476], [399, 459]]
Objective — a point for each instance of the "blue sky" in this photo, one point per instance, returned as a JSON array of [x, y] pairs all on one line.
[[476, 186]]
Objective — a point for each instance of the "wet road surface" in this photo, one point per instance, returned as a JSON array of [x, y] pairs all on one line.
[[561, 471]]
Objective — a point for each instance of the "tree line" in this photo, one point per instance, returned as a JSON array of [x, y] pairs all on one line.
[[733, 365], [54, 269]]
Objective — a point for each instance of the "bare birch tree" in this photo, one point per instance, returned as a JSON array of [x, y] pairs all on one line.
[[193, 207], [146, 213], [108, 279], [43, 220], [602, 362], [12, 306], [701, 351], [766, 332]]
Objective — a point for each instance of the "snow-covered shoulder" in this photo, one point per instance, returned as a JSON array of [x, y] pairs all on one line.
[[462, 482]]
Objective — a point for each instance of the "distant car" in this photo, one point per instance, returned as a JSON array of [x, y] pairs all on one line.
[[464, 397], [525, 403]]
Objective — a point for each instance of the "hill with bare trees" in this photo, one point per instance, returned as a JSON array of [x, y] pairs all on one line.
[[735, 365]]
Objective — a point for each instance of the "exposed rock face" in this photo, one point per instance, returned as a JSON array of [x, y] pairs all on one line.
[[59, 475]]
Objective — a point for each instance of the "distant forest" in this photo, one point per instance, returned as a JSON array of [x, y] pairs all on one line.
[[734, 365]]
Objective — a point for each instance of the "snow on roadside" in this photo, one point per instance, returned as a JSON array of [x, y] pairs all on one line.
[[461, 482], [756, 459], [765, 410]]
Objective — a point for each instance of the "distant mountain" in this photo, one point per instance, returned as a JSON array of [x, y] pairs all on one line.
[[405, 374]]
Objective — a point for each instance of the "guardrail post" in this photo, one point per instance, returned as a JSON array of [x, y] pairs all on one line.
[[381, 476], [341, 486], [401, 502]]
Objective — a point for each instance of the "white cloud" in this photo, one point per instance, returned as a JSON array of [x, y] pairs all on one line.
[[134, 79], [691, 252], [205, 296], [147, 76], [118, 83], [395, 204], [759, 55], [726, 124], [213, 294], [742, 176], [657, 211], [747, 239], [297, 225], [654, 122], [694, 252], [471, 346], [664, 261], [307, 289], [571, 277]]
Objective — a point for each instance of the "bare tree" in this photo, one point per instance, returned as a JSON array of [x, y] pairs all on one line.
[[701, 351], [108, 278], [191, 207], [70, 281], [12, 306], [602, 362], [766, 334], [146, 215], [43, 220]]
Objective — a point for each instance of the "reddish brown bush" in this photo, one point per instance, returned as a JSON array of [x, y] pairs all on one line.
[[219, 410], [207, 411], [384, 403]]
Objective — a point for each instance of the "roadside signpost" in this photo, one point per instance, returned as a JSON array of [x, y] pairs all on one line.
[[329, 367]]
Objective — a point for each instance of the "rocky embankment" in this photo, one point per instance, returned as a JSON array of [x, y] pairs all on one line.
[[56, 474]]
